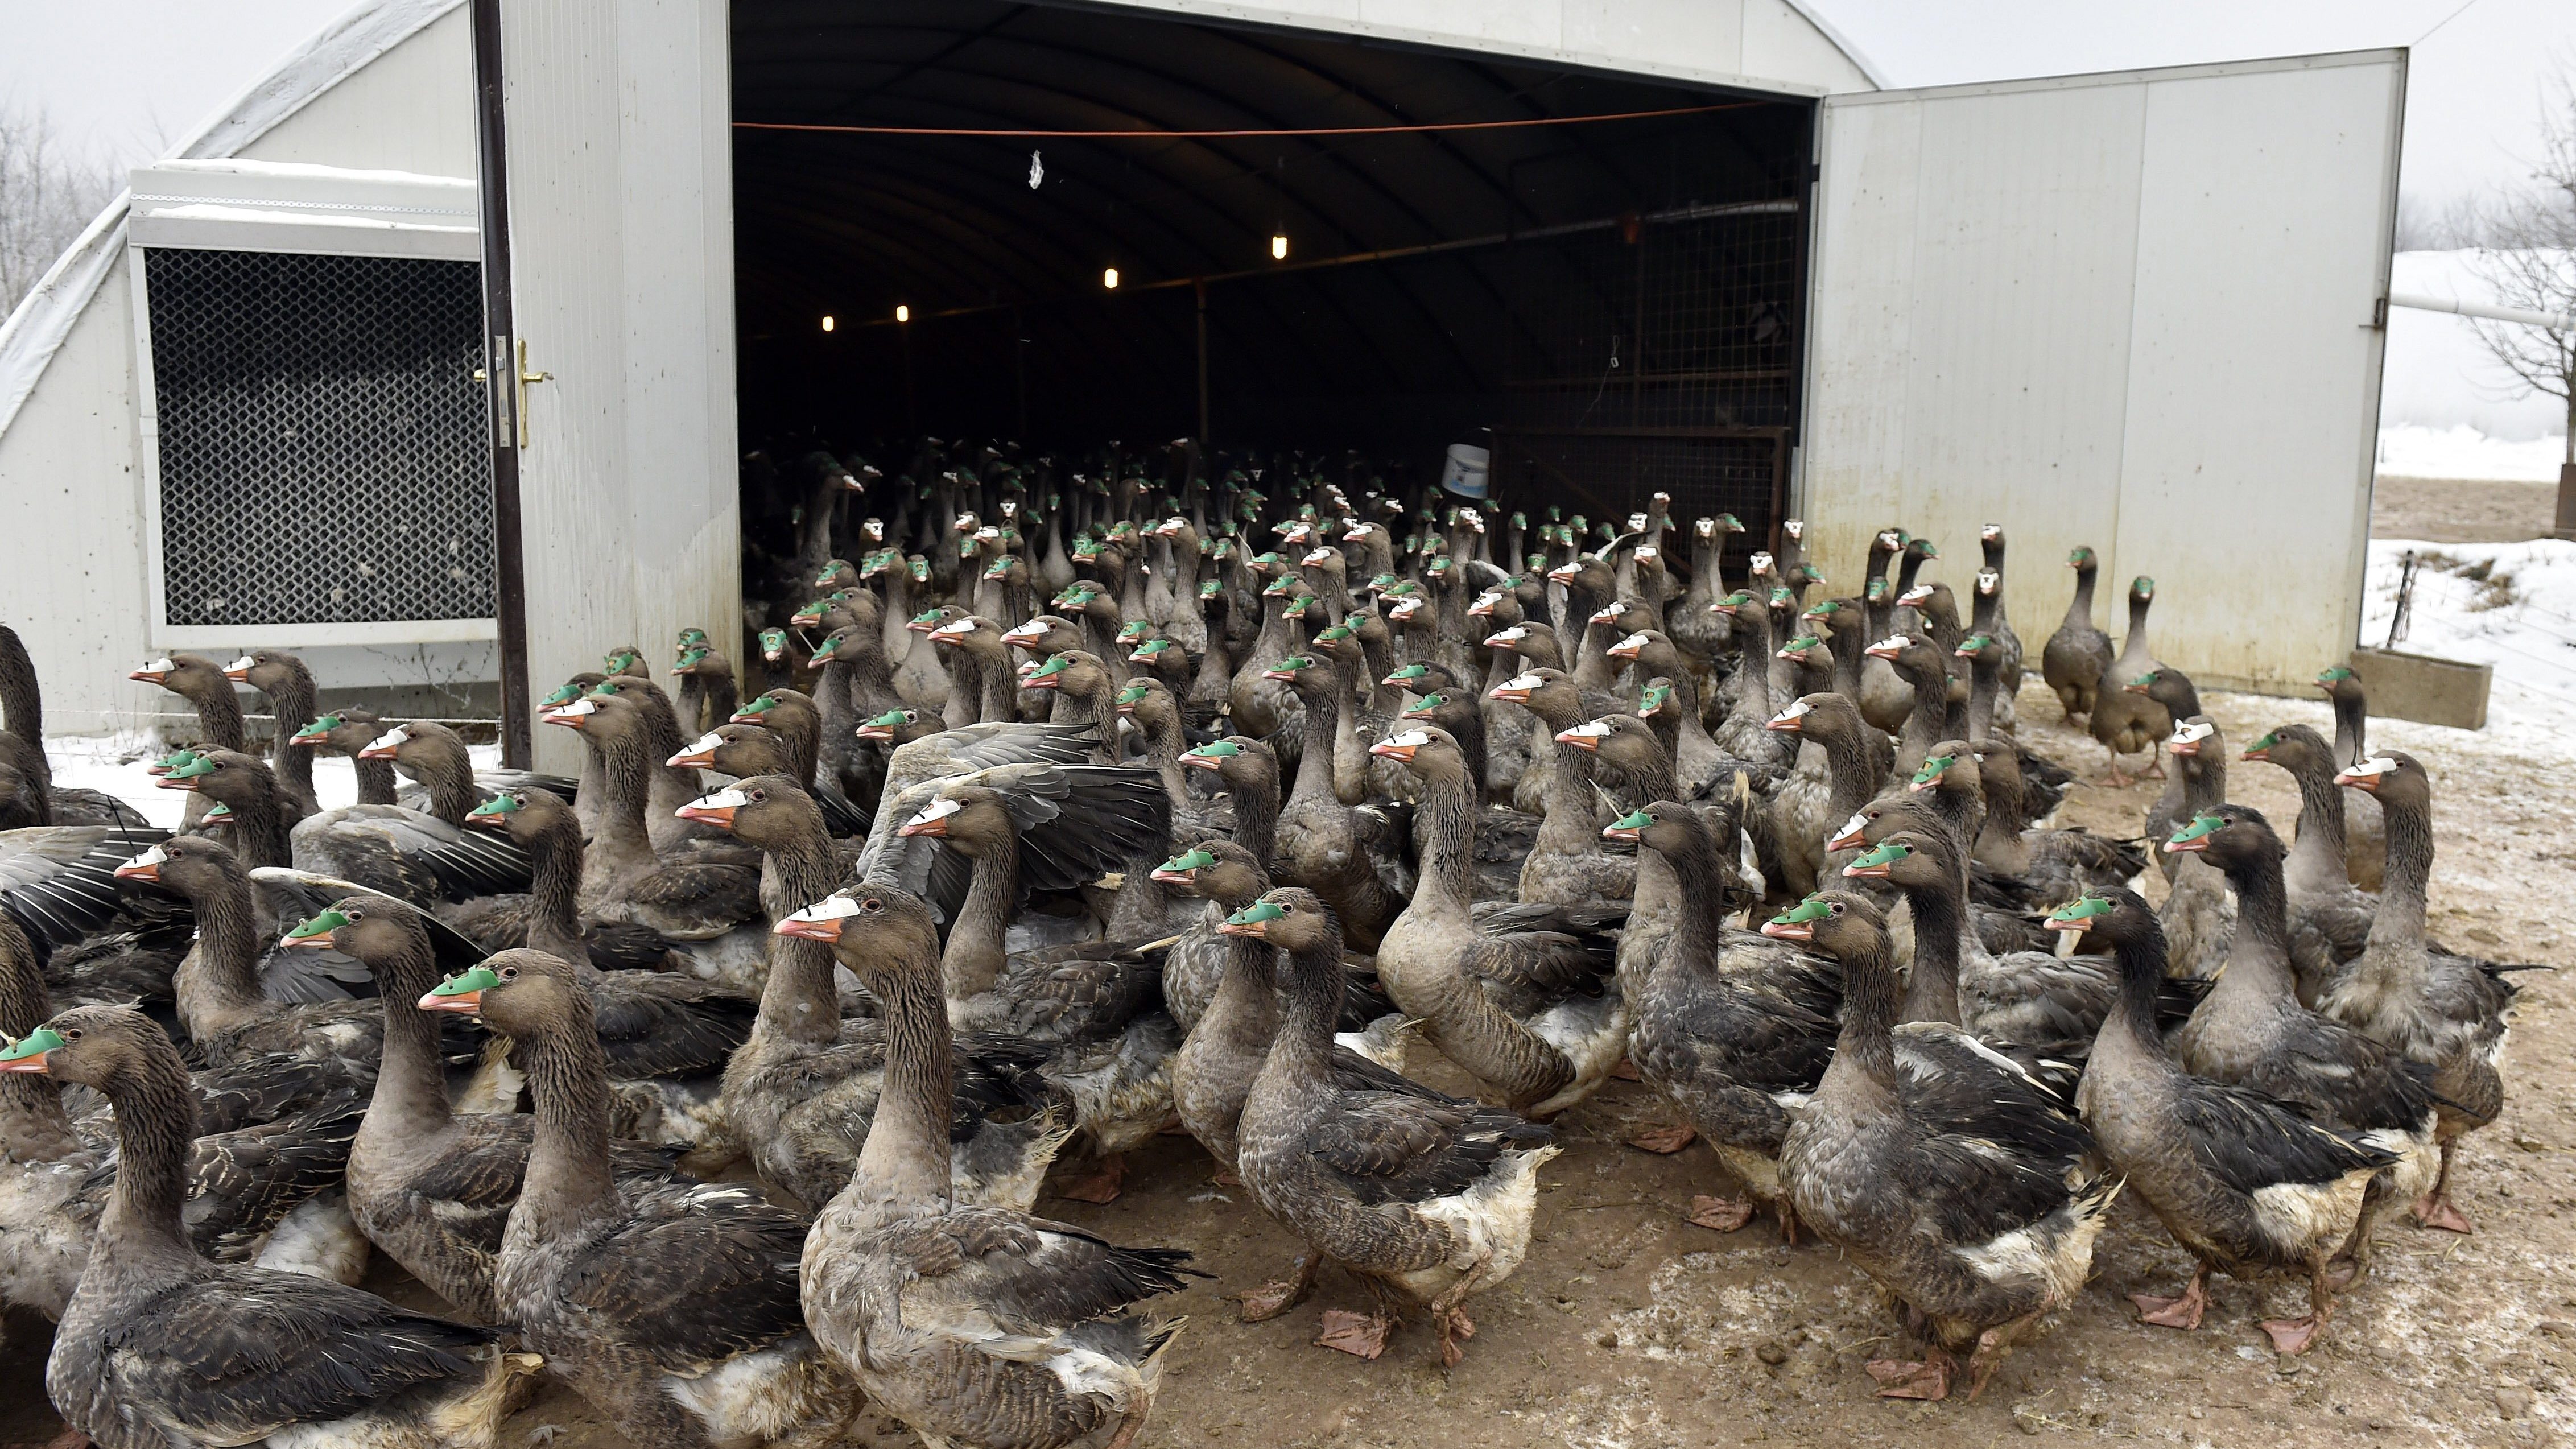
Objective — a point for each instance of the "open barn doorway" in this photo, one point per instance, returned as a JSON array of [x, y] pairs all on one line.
[[1613, 306]]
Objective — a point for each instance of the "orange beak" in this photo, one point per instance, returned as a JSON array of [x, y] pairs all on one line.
[[719, 816], [148, 676], [1254, 930], [376, 751], [1508, 695], [1389, 749], [468, 1003], [935, 829], [1849, 840], [824, 931], [1580, 741], [131, 871], [1623, 650]]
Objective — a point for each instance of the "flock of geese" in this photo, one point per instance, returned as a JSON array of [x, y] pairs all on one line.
[[721, 1082]]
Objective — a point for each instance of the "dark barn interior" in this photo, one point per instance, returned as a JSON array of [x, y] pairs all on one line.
[[1613, 305]]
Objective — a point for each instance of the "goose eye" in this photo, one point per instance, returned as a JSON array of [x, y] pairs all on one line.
[[871, 906], [508, 973], [1838, 909], [73, 1034], [354, 914], [760, 794]]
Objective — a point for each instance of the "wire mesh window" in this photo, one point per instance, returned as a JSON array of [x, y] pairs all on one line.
[[1662, 359], [323, 451]]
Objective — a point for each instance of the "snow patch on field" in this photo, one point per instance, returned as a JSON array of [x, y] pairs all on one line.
[[2510, 605]]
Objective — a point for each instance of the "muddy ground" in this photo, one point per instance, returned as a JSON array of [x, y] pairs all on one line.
[[2450, 510], [1630, 1326]]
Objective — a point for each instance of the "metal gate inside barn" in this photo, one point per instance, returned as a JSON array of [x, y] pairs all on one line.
[[1663, 360]]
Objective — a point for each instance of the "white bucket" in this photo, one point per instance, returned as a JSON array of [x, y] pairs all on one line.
[[1467, 471]]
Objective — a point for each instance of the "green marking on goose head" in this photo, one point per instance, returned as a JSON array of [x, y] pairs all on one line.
[[34, 1044], [1255, 914], [466, 983], [1934, 767], [2087, 908], [1189, 860], [321, 925]]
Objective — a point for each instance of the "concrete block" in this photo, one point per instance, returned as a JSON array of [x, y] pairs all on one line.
[[2424, 689]]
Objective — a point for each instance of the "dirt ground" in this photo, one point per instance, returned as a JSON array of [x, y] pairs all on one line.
[[1629, 1326], [2449, 510]]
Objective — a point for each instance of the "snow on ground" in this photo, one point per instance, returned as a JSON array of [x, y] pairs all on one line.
[[115, 763], [2510, 605], [2461, 451]]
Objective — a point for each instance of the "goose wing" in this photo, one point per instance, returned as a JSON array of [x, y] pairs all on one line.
[[1408, 1147], [1025, 1276], [702, 1272], [228, 1356]]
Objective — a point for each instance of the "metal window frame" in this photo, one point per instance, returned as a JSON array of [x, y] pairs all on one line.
[[307, 210]]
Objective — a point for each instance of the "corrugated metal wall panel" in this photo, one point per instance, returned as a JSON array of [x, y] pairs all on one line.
[[2105, 310], [621, 214]]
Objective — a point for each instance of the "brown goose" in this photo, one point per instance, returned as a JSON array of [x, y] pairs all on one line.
[[2076, 655], [287, 685], [672, 1309], [2123, 721], [976, 1325], [28, 795], [160, 1346]]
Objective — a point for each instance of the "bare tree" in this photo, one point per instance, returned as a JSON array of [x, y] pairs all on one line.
[[48, 193], [2529, 259]]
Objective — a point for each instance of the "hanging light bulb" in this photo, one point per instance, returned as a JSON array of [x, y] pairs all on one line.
[[902, 313], [1278, 246], [1109, 278], [827, 321]]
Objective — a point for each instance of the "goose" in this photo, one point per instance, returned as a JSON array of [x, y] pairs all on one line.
[[974, 1325], [2076, 655], [2245, 1183], [160, 1345], [2329, 920], [1324, 845], [739, 751], [1566, 864], [2252, 1031], [2198, 913], [424, 857], [1426, 1197], [2444, 1011], [35, 800], [2123, 722], [266, 1146], [220, 725], [247, 804], [1093, 1007], [347, 732], [1964, 1189], [1518, 996], [1736, 1029], [800, 1092], [287, 685], [671, 1309], [2366, 834], [427, 1184]]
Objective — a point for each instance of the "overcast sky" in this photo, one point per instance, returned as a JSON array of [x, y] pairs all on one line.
[[131, 77]]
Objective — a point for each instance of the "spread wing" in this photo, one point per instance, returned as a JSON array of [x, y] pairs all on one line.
[[59, 881], [1080, 822]]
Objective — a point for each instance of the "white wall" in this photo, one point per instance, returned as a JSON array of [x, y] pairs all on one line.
[[621, 205], [2131, 312], [70, 475]]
